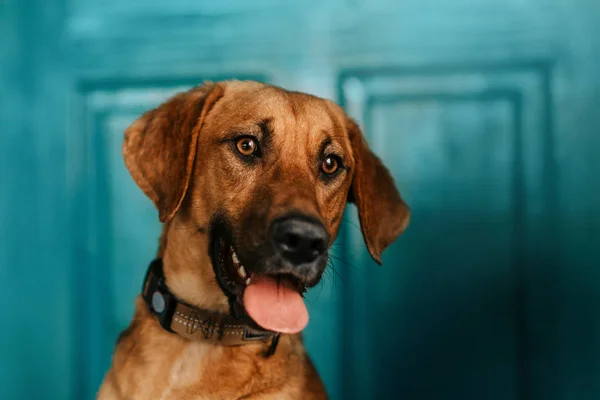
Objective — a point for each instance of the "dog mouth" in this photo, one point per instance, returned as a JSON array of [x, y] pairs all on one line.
[[273, 300]]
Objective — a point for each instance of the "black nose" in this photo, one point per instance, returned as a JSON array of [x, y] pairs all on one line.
[[299, 240]]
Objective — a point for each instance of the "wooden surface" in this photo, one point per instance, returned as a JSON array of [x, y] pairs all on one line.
[[486, 112]]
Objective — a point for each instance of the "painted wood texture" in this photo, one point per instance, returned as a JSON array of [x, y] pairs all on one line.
[[485, 111]]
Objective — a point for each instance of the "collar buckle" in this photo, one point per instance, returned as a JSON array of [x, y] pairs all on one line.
[[157, 296]]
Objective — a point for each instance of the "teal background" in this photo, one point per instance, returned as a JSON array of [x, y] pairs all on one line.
[[486, 111]]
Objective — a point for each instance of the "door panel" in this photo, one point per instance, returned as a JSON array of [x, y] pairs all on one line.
[[446, 316]]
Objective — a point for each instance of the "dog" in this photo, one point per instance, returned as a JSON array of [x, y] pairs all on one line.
[[250, 182]]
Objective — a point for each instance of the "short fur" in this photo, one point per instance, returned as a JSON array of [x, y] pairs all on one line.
[[180, 155]]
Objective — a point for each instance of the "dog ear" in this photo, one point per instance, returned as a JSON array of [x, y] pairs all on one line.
[[160, 147], [382, 213]]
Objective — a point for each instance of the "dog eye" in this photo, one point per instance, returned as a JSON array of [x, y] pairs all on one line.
[[246, 146], [330, 165]]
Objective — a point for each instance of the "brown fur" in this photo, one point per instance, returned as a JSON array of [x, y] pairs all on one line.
[[181, 156]]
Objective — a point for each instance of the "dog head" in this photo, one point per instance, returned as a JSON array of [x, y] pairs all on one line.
[[254, 180]]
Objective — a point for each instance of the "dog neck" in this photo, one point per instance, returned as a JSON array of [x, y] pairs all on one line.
[[188, 268]]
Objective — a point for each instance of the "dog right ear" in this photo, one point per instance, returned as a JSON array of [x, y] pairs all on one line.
[[382, 213], [160, 147]]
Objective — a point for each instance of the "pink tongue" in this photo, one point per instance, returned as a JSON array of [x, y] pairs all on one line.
[[276, 306]]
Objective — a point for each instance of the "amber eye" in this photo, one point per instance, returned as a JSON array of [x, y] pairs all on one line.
[[330, 165], [246, 146]]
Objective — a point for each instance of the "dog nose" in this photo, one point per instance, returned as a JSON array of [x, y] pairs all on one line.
[[299, 240]]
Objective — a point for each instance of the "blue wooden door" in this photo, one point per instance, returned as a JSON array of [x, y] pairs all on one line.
[[484, 111]]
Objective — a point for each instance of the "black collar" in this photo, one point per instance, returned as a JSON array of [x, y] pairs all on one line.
[[195, 323]]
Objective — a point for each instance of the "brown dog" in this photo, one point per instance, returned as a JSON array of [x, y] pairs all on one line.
[[250, 182]]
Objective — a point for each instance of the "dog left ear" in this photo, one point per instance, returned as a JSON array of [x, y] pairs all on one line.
[[382, 213], [160, 147]]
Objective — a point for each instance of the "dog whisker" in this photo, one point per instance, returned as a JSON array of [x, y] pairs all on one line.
[[331, 266], [340, 259], [320, 285], [352, 223], [330, 271]]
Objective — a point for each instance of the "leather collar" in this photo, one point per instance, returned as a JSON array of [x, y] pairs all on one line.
[[194, 323]]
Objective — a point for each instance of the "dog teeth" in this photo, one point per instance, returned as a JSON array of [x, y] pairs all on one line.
[[240, 268]]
